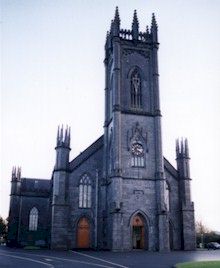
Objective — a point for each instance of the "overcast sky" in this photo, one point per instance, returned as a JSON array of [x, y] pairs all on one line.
[[53, 73]]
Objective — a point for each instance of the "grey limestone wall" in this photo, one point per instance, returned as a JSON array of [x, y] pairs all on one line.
[[139, 197], [91, 166], [41, 236], [147, 138], [130, 59], [59, 227], [174, 211], [189, 239]]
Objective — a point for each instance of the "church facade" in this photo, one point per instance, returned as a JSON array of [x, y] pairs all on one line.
[[120, 193]]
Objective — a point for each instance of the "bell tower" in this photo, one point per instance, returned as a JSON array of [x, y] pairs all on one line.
[[133, 158]]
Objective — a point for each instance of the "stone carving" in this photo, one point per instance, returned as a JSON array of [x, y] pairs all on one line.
[[127, 52], [136, 135]]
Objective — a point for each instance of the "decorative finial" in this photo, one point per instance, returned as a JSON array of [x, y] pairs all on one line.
[[182, 147], [69, 136], [147, 30], [58, 135], [107, 36], [154, 29], [19, 174], [116, 23], [153, 21], [108, 41], [117, 17], [66, 136], [177, 147], [13, 173], [112, 27], [186, 148], [135, 26], [61, 134]]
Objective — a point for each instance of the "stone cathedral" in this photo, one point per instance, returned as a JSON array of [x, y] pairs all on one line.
[[120, 193]]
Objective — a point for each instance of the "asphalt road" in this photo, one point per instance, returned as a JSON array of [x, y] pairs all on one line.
[[84, 259]]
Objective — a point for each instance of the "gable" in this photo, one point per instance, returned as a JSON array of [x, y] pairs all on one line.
[[87, 153], [170, 168]]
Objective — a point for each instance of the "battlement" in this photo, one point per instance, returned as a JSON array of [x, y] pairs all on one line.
[[127, 35], [134, 34]]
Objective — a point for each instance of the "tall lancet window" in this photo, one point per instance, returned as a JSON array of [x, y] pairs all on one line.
[[33, 219], [136, 89], [85, 192], [167, 196]]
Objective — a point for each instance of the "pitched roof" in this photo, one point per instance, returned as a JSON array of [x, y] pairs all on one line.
[[170, 168], [98, 144], [94, 147]]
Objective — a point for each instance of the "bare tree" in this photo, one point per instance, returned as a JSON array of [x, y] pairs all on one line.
[[201, 228]]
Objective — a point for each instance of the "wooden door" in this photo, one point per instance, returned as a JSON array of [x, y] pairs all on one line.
[[83, 233], [138, 233]]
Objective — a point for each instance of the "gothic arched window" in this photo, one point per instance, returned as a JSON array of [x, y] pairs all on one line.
[[167, 196], [33, 219], [137, 161], [135, 90], [85, 192]]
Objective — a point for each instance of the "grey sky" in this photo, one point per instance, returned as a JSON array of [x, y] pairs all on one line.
[[53, 73]]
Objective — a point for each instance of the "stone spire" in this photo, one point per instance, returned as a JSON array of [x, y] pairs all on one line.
[[117, 20], [154, 28], [186, 149], [182, 147], [153, 22], [112, 27], [19, 174], [135, 26], [115, 25], [177, 148], [13, 174]]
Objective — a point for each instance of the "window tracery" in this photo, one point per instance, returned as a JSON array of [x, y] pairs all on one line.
[[85, 192], [167, 196], [33, 219]]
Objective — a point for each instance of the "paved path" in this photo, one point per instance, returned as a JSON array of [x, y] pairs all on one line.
[[84, 259]]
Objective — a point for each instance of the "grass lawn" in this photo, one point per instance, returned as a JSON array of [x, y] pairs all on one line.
[[202, 264]]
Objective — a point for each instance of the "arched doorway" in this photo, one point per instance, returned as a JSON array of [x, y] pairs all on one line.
[[83, 233], [138, 232]]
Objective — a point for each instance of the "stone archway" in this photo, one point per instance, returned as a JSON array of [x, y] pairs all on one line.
[[83, 233], [139, 232]]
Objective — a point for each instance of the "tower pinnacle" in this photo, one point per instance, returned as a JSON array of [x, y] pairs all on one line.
[[116, 23], [63, 139], [117, 17], [16, 174], [154, 28], [135, 26], [153, 21]]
